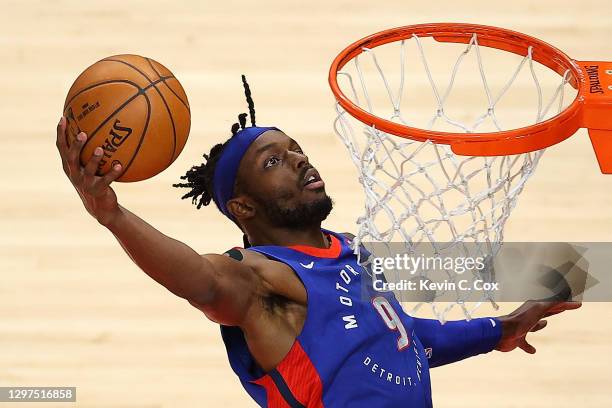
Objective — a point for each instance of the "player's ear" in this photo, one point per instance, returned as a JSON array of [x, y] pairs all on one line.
[[241, 208]]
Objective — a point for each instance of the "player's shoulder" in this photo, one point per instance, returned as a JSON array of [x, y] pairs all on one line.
[[275, 277], [253, 259], [244, 255]]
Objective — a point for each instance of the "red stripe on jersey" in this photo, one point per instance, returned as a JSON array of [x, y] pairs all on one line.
[[301, 377], [332, 252], [275, 399]]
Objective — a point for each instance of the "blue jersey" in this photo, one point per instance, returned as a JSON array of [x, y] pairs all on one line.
[[357, 348]]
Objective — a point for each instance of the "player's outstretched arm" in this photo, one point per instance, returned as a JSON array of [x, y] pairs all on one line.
[[460, 339], [219, 285]]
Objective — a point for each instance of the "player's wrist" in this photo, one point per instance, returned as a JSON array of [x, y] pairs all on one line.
[[110, 218], [508, 327]]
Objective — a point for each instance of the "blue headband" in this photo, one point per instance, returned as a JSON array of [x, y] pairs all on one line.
[[226, 168]]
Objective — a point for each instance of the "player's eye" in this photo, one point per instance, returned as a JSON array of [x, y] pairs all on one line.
[[272, 161]]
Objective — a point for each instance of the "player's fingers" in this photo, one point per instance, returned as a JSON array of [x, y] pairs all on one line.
[[102, 183], [112, 175], [74, 152], [572, 305], [539, 326], [61, 135], [60, 143], [92, 165], [526, 347], [561, 307]]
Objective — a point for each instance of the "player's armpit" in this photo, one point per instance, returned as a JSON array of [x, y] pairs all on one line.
[[277, 278]]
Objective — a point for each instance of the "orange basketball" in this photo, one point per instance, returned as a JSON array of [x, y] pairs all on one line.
[[135, 109]]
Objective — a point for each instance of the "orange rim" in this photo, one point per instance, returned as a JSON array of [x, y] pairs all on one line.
[[519, 140]]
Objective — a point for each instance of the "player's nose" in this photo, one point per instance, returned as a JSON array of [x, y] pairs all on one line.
[[298, 160]]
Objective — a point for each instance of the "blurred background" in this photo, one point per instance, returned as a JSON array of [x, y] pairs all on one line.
[[74, 309]]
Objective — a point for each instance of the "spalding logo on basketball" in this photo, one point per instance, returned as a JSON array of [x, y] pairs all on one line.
[[135, 109]]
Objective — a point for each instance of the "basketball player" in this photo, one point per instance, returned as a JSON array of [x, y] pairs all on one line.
[[297, 328]]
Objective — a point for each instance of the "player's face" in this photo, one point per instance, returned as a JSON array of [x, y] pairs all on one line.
[[284, 186]]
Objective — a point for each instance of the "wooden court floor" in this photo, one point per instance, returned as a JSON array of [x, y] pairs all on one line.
[[74, 310]]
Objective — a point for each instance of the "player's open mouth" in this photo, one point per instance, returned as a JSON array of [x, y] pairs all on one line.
[[312, 180]]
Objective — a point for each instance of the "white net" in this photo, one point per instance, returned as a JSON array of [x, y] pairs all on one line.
[[421, 192]]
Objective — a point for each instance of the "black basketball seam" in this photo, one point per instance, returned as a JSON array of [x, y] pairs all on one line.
[[152, 67], [116, 111], [173, 126], [160, 95], [177, 97], [158, 74], [168, 86], [99, 84], [169, 113], [133, 67], [141, 91], [175, 94], [144, 133]]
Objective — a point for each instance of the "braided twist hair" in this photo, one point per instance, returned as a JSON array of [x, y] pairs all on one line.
[[199, 179]]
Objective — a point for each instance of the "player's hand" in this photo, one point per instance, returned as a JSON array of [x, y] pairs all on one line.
[[528, 319], [98, 197]]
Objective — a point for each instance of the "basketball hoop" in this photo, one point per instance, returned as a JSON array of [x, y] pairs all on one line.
[[590, 109], [451, 187]]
